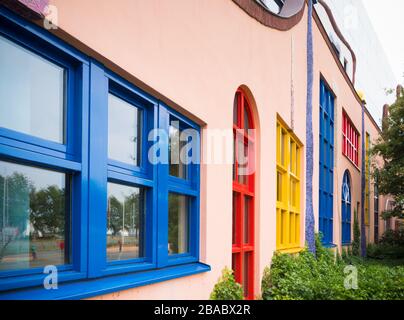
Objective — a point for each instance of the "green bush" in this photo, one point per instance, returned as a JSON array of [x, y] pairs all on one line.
[[385, 251], [356, 236], [227, 288], [393, 238], [321, 277]]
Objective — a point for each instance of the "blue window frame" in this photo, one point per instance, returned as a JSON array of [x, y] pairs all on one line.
[[326, 167], [346, 209], [83, 158]]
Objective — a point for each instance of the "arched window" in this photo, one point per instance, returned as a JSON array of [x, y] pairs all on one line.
[[326, 164], [243, 194], [346, 209]]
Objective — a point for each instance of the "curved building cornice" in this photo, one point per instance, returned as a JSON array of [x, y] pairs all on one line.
[[290, 14]]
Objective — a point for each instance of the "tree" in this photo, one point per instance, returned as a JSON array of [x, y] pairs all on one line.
[[47, 211], [390, 147]]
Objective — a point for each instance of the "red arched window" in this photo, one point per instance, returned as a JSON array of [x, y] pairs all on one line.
[[243, 194]]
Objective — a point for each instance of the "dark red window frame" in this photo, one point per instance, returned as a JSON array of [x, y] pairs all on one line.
[[350, 140], [243, 243]]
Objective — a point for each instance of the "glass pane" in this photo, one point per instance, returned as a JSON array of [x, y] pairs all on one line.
[[291, 228], [242, 160], [234, 157], [177, 223], [247, 209], [124, 131], [178, 167], [235, 265], [273, 5], [34, 217], [235, 109], [246, 118], [32, 93], [246, 271], [125, 222], [293, 192], [282, 150], [291, 156], [284, 226], [234, 222], [278, 186]]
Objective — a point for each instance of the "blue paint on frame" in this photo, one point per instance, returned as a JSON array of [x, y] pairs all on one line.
[[85, 157]]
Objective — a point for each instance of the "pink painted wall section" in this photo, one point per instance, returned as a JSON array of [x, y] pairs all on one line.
[[197, 53]]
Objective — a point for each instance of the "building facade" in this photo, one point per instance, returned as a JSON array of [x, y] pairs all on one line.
[[353, 21], [85, 103]]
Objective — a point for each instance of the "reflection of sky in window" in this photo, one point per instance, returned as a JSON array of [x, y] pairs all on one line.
[[121, 192], [123, 119], [39, 177], [346, 192], [31, 93]]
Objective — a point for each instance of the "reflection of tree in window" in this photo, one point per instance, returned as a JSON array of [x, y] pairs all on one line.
[[33, 221], [125, 218]]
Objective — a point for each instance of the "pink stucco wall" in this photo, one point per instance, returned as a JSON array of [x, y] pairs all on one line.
[[196, 54]]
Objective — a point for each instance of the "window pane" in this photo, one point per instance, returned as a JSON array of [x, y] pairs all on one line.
[[32, 96], [293, 192], [234, 222], [246, 272], [177, 223], [34, 217], [235, 265], [247, 221], [235, 109], [282, 150], [177, 166], [278, 186], [124, 131], [246, 117], [242, 160], [125, 222]]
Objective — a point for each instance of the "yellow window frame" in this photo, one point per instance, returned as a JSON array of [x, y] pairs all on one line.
[[288, 215]]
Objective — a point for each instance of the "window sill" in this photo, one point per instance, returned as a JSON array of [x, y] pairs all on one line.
[[290, 250], [96, 287], [329, 245]]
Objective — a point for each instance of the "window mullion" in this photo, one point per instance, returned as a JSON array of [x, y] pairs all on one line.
[[162, 192], [98, 160]]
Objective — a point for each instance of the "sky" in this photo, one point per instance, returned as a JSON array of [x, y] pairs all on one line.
[[387, 17]]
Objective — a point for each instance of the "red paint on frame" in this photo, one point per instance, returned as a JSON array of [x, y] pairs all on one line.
[[243, 197]]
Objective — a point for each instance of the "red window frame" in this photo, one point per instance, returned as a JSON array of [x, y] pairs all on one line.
[[350, 140], [243, 243]]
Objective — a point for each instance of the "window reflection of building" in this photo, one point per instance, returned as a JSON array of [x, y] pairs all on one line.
[[272, 5]]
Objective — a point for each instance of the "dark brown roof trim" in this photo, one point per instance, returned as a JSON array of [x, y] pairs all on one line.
[[290, 15]]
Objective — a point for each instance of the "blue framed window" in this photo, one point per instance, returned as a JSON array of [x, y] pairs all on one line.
[[326, 167], [346, 209], [80, 188]]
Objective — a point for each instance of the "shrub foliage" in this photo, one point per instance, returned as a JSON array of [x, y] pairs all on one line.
[[227, 288], [322, 277]]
